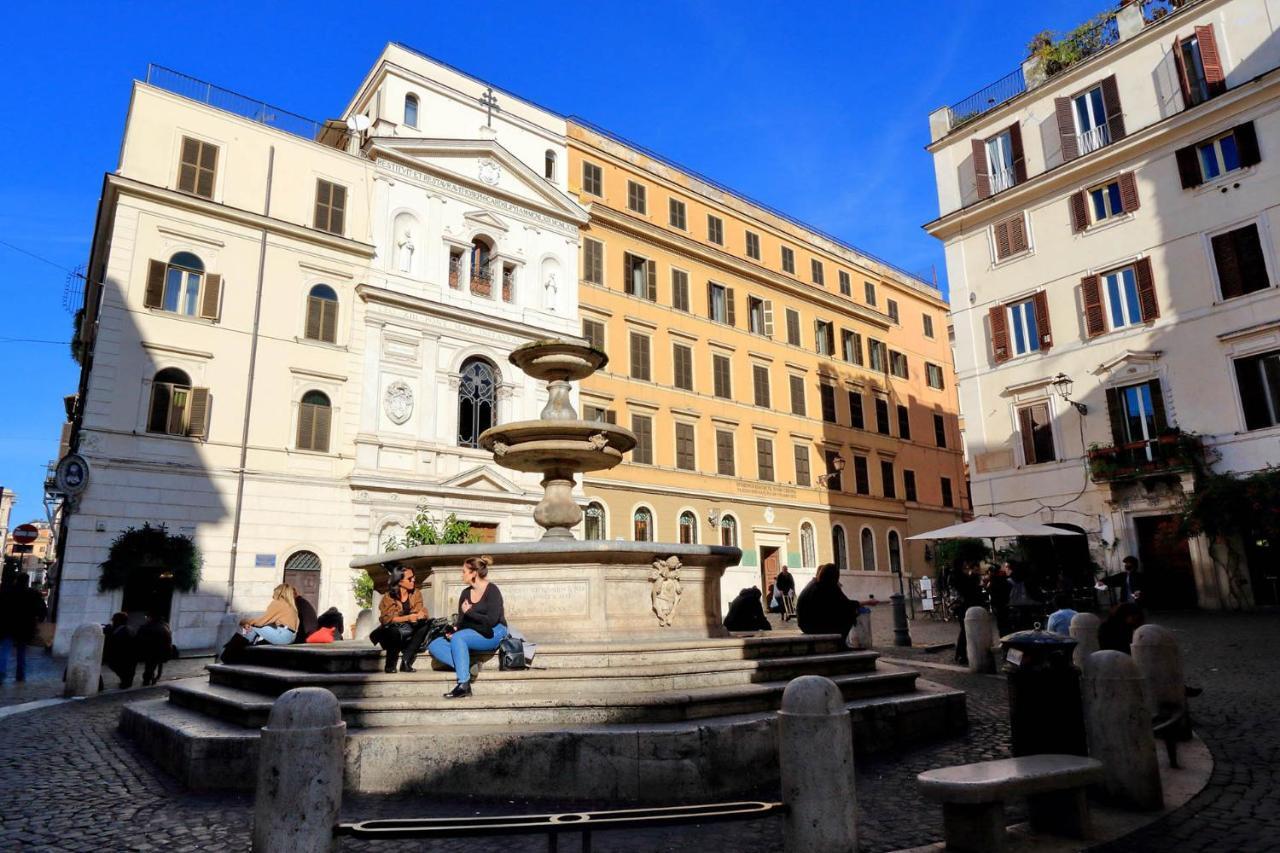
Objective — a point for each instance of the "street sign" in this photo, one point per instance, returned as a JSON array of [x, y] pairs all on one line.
[[25, 534]]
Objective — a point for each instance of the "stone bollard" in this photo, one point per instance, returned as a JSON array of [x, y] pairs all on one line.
[[860, 634], [228, 624], [365, 623], [978, 638], [1084, 630], [299, 791], [1118, 726], [815, 753], [84, 663], [1156, 653]]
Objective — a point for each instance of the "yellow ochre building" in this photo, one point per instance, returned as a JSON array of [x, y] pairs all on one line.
[[791, 395]]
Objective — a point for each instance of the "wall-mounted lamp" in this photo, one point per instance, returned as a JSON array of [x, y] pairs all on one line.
[[838, 464], [1062, 384]]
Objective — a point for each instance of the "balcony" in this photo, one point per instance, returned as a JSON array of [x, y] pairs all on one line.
[[1171, 453], [1092, 140], [1001, 180], [481, 286]]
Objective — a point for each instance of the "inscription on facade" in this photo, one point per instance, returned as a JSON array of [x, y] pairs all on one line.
[[472, 194], [538, 599], [765, 490]]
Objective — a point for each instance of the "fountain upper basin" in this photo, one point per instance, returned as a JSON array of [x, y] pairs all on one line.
[[537, 446]]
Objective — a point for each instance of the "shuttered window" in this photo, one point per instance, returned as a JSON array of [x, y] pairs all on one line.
[[898, 365], [882, 416], [720, 303], [177, 408], [331, 206], [676, 214], [803, 475], [753, 245], [933, 375], [877, 355], [314, 418], [1010, 236], [1090, 120], [183, 287], [793, 327], [760, 382], [592, 261], [636, 198], [861, 477], [824, 337], [724, 452], [797, 395], [722, 386], [322, 314], [1220, 155], [1199, 66], [817, 273], [857, 419], [593, 331], [680, 290], [1119, 298], [1020, 328], [715, 230], [198, 167], [682, 366], [887, 479], [760, 316], [846, 284], [642, 426], [904, 423], [1242, 268], [640, 276], [1037, 434], [788, 260], [1258, 378], [891, 308], [940, 430], [909, 485], [592, 179], [827, 396], [851, 346], [869, 291], [1102, 202], [764, 458], [640, 356], [684, 447], [928, 325]]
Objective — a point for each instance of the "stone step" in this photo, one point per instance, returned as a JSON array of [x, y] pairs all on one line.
[[644, 678], [362, 656], [250, 709]]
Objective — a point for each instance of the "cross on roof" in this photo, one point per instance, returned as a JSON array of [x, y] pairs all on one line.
[[490, 104]]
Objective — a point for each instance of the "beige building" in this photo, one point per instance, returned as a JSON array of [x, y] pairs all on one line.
[[749, 353], [1109, 243]]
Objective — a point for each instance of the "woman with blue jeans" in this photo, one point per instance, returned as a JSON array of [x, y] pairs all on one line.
[[480, 627]]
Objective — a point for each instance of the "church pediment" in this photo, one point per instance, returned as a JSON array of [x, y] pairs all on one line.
[[482, 479], [485, 219]]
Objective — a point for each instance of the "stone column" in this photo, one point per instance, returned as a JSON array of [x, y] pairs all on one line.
[[1118, 726], [815, 753], [1084, 630], [978, 639], [299, 792], [1156, 654], [84, 664]]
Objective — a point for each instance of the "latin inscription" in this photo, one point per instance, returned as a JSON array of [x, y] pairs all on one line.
[[539, 599], [468, 192]]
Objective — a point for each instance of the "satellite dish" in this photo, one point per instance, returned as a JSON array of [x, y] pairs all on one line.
[[358, 123]]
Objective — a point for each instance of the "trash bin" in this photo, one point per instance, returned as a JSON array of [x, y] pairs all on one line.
[[1046, 714]]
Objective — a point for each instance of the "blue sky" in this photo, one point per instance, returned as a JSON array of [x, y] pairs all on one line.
[[818, 109]]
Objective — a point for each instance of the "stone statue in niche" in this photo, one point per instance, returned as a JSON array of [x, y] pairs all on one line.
[[666, 591], [552, 287], [406, 251], [398, 402]]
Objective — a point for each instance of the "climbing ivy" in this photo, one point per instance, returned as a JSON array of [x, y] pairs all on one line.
[[149, 554]]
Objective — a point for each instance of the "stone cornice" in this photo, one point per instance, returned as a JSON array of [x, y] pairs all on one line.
[[374, 296]]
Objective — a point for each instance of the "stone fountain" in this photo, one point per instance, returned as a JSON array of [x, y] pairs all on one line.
[[561, 588]]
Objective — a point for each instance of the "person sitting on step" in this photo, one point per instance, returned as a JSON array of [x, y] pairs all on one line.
[[823, 608], [277, 626], [403, 621], [746, 613], [480, 627]]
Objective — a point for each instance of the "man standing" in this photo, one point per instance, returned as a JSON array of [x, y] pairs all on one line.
[[785, 584], [21, 609], [1128, 583]]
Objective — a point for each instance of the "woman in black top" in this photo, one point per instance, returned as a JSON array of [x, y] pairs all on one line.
[[481, 625]]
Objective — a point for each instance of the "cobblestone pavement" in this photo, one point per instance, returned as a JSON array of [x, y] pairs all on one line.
[[45, 672], [69, 781]]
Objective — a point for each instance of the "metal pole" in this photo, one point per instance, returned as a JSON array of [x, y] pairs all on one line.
[[901, 633]]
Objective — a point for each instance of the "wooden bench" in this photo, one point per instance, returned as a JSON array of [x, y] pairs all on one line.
[[973, 797]]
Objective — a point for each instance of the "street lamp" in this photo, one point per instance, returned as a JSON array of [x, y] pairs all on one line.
[[838, 464], [1062, 384]]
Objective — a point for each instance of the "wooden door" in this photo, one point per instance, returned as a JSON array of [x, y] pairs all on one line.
[[306, 582], [1168, 579], [770, 562], [484, 532]]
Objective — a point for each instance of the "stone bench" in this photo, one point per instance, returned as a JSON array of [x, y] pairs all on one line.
[[973, 797]]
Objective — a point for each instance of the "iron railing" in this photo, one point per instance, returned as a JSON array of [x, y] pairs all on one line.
[[554, 825], [241, 105], [988, 97], [1137, 459]]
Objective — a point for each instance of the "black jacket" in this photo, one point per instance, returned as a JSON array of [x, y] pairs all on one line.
[[746, 612], [823, 608], [484, 614]]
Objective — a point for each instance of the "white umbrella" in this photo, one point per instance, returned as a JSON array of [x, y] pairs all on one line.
[[990, 527]]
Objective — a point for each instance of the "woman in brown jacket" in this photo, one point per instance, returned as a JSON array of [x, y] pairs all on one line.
[[279, 624], [404, 621]]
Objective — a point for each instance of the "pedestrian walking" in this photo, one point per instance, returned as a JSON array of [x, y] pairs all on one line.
[[785, 584], [119, 649], [965, 586], [155, 647], [21, 609]]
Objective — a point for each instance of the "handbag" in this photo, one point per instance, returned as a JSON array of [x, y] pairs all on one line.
[[511, 654]]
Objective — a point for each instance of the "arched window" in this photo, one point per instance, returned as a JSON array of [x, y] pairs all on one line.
[[868, 550], [477, 399], [839, 548], [314, 417], [183, 280], [729, 531], [549, 165], [171, 399], [481, 283], [642, 525], [303, 561], [411, 110], [322, 314], [895, 552], [595, 528], [688, 528], [302, 572], [808, 545]]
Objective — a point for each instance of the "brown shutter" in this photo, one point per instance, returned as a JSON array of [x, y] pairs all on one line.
[[1189, 167], [980, 171], [1148, 305], [1066, 129], [1183, 82], [1228, 261], [1157, 406], [306, 425], [338, 209], [768, 318], [1247, 144], [1129, 192], [323, 416], [1115, 409], [322, 205], [1026, 426], [211, 299], [1079, 212], [177, 411], [1211, 60], [1018, 234], [208, 167], [315, 310], [329, 321], [1253, 266], [190, 165], [999, 334], [153, 297], [651, 280], [1041, 301], [198, 423], [711, 301], [1111, 101], [1015, 148], [1095, 317], [728, 304], [1003, 249]]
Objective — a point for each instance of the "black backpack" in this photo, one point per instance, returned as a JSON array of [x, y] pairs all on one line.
[[511, 654]]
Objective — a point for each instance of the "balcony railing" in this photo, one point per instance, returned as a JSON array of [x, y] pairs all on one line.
[[1167, 454], [481, 286], [988, 98], [1002, 179], [1092, 140]]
